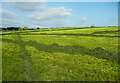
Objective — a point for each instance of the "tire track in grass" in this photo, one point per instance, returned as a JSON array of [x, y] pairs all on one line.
[[31, 75]]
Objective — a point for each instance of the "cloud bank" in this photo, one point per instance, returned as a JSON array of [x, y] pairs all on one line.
[[51, 13], [28, 6], [36, 13]]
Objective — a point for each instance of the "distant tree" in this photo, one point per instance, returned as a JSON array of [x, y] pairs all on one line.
[[20, 29], [12, 28], [25, 28], [92, 26], [38, 28]]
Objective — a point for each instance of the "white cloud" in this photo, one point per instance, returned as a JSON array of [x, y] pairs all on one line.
[[28, 6], [35, 26], [7, 18], [8, 22], [8, 14], [37, 13], [52, 23], [83, 19], [51, 13]]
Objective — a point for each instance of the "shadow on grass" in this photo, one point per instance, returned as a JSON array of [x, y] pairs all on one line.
[[88, 35], [105, 32], [97, 52]]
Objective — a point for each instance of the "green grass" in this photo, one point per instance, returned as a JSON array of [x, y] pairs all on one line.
[[61, 54], [0, 59]]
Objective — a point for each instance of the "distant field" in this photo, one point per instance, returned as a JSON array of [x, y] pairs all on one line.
[[61, 54]]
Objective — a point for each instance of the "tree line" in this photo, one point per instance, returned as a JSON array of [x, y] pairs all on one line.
[[16, 28]]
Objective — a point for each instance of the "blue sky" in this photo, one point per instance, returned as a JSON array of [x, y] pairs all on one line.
[[57, 14]]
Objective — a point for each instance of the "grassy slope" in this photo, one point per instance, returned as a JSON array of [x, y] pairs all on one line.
[[61, 57]]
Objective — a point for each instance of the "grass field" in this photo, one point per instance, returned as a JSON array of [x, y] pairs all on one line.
[[61, 54]]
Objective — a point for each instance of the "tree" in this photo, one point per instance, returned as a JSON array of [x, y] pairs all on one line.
[[92, 26], [25, 28], [20, 29], [38, 28]]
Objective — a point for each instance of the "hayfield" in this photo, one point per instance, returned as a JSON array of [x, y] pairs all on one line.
[[61, 54]]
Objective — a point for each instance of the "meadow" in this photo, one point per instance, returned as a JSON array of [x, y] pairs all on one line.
[[61, 54]]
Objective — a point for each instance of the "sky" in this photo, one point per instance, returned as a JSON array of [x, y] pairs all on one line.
[[59, 14]]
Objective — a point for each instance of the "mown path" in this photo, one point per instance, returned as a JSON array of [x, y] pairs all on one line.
[[30, 73]]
